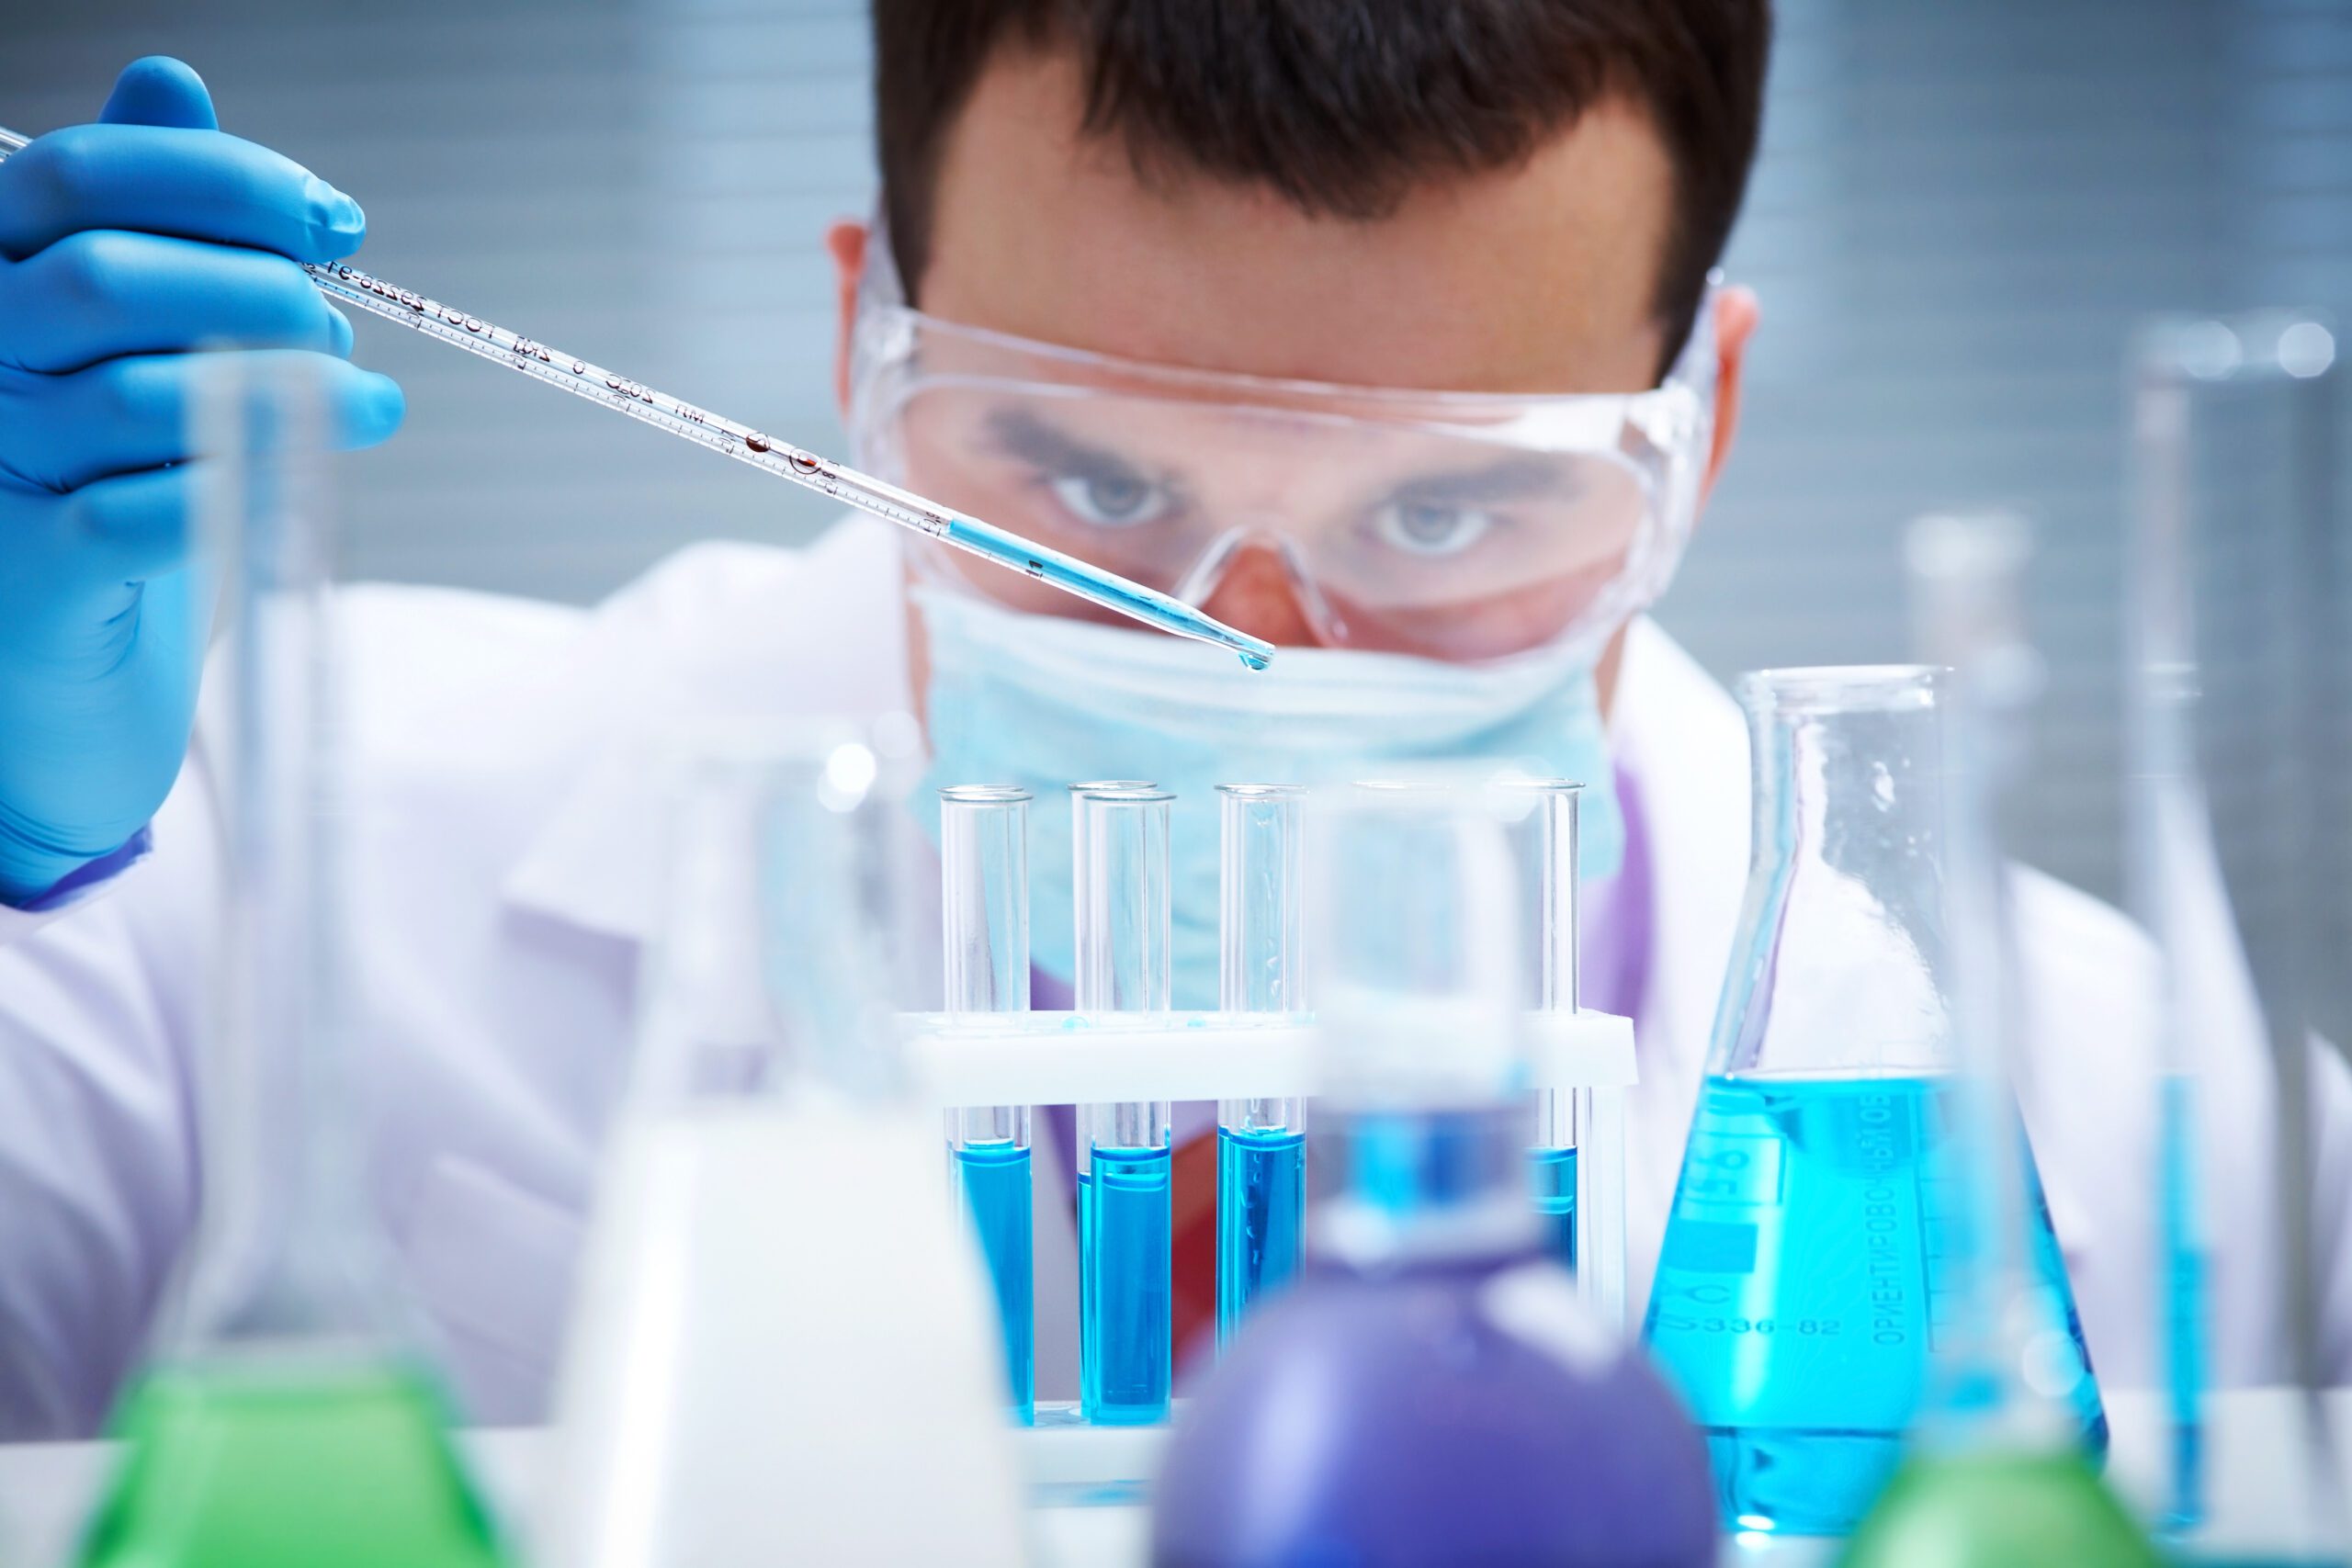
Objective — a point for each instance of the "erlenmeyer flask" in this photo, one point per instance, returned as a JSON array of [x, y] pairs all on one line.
[[1798, 1289], [785, 1350], [282, 1418]]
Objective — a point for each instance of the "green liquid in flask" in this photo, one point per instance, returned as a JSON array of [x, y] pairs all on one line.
[[242, 1468], [1994, 1509]]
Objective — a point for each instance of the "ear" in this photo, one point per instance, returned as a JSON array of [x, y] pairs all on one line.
[[845, 243], [1736, 315]]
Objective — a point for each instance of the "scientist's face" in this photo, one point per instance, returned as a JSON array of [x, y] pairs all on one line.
[[1537, 278]]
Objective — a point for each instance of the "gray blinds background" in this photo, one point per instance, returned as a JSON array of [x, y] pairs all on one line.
[[1959, 213]]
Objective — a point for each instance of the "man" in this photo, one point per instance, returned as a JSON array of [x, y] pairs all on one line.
[[1186, 248]]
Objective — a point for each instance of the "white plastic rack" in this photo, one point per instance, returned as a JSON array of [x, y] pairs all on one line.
[[1068, 1058]]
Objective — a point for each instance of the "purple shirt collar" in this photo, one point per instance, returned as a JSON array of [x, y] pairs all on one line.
[[1615, 917]]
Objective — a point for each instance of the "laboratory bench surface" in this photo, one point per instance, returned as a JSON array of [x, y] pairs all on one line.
[[45, 1487]]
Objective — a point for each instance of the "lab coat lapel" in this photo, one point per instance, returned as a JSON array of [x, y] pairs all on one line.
[[721, 635]]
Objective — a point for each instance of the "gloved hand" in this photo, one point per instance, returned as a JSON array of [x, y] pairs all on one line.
[[123, 245]]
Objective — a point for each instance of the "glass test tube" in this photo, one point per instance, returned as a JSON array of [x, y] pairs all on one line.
[[984, 888], [1261, 1144], [1121, 898], [1560, 1113]]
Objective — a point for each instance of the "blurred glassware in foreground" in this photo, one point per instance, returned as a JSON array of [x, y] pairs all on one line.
[[1433, 1390], [2240, 665], [1799, 1285], [1995, 1477], [284, 1416], [783, 1350]]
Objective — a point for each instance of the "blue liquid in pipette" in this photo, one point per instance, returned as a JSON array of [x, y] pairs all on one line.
[[1800, 1289], [1554, 1174], [995, 1174], [1124, 1294], [1260, 1205]]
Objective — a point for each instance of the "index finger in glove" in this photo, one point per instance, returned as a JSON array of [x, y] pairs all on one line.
[[195, 184], [63, 432], [95, 296]]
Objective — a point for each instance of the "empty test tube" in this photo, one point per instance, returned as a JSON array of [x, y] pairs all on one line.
[[1549, 837], [1261, 1144], [1121, 896], [984, 887]]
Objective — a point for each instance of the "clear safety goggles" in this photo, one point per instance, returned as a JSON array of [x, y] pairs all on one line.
[[1454, 526]]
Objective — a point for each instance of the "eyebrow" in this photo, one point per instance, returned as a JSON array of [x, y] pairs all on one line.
[[1505, 478], [1020, 434]]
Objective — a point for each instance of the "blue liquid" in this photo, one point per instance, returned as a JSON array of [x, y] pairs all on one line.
[[996, 1192], [1260, 1206], [2184, 1274], [1123, 1287], [1800, 1288], [1554, 1174]]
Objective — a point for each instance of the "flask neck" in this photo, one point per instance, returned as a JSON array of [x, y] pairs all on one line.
[[1425, 1186], [285, 1248], [1839, 963]]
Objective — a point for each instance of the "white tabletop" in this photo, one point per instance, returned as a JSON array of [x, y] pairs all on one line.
[[44, 1488]]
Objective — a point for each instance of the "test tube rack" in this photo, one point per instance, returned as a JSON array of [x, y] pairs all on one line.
[[1068, 1058]]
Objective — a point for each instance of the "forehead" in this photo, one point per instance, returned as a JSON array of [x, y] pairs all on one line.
[[1538, 277]]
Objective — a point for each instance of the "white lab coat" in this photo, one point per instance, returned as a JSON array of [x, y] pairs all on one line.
[[506, 814]]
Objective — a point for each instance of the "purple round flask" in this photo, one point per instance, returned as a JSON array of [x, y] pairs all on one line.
[[1433, 1391], [1466, 1413]]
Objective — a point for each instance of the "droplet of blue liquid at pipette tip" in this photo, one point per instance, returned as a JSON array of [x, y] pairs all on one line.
[[621, 394]]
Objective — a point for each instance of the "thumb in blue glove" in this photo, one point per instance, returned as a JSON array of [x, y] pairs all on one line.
[[125, 247]]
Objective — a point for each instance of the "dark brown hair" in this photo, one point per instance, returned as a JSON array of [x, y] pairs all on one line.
[[1344, 106]]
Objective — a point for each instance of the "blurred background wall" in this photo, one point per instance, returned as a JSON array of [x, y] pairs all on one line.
[[1959, 214]]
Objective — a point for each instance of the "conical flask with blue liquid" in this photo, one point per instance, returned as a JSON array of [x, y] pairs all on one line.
[[1802, 1285]]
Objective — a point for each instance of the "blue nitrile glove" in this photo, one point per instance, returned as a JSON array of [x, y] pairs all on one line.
[[123, 245]]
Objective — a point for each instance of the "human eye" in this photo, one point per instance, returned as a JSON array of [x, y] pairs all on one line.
[[1431, 528], [1111, 497]]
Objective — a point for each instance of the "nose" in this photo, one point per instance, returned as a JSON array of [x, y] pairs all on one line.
[[1255, 593]]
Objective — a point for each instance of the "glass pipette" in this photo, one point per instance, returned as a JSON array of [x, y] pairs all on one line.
[[607, 389]]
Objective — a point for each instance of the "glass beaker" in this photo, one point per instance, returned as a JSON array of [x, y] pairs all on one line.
[[284, 1416], [1798, 1286]]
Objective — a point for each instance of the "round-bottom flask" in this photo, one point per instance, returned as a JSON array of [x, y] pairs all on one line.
[[1433, 1390]]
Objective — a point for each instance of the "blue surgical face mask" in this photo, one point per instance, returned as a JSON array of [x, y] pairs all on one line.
[[1044, 702]]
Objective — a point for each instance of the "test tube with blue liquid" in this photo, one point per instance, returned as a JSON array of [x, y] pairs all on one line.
[[1121, 899], [1261, 1144], [984, 887], [1548, 846]]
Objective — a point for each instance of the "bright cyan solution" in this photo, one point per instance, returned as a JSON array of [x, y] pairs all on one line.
[[1800, 1288], [995, 1176], [1554, 1174], [1262, 1198], [1123, 1291]]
